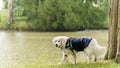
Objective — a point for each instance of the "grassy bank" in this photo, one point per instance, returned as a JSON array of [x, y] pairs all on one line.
[[78, 65], [18, 24]]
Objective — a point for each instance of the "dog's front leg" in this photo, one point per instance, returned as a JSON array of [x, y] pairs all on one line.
[[64, 57]]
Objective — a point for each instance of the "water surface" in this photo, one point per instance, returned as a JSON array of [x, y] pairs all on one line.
[[29, 48]]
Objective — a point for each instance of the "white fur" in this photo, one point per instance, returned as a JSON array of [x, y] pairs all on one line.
[[92, 49]]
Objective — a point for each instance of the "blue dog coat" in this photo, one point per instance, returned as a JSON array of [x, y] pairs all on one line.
[[78, 44]]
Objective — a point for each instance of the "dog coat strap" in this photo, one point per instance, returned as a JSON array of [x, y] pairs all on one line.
[[69, 44]]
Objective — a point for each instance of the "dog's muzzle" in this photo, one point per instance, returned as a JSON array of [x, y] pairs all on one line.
[[60, 47], [56, 45]]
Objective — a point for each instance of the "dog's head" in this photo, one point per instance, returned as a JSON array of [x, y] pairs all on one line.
[[60, 41]]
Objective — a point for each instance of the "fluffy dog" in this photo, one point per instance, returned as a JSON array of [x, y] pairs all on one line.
[[73, 45]]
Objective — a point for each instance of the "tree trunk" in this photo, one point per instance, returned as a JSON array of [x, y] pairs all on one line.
[[10, 11], [118, 45], [114, 32]]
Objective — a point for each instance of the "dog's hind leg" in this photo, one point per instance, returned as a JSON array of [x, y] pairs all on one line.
[[95, 59], [89, 59], [89, 55]]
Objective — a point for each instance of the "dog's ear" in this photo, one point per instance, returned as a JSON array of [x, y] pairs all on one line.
[[63, 41]]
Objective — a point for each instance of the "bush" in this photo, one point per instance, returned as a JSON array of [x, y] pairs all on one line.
[[59, 15], [22, 25]]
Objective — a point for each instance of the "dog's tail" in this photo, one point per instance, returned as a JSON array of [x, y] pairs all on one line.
[[99, 51], [102, 53]]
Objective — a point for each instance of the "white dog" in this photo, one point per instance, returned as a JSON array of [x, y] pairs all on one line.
[[73, 45]]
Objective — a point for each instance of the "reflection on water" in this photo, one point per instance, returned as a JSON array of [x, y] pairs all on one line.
[[2, 36], [15, 49], [8, 51], [4, 48]]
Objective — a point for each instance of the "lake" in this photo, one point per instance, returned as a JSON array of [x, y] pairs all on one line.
[[29, 48]]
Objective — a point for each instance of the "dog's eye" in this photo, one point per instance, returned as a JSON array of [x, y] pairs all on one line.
[[58, 41]]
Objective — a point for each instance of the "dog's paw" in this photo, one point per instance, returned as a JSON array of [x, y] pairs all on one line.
[[88, 62], [74, 63], [60, 63]]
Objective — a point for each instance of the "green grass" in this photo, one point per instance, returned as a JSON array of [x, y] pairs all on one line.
[[36, 50], [79, 65], [19, 22], [3, 19]]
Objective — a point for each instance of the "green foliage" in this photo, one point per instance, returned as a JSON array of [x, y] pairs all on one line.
[[21, 25], [3, 25], [51, 15], [59, 15], [3, 18]]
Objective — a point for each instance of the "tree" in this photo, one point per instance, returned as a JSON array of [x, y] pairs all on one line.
[[10, 11], [114, 31], [59, 15], [118, 39]]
